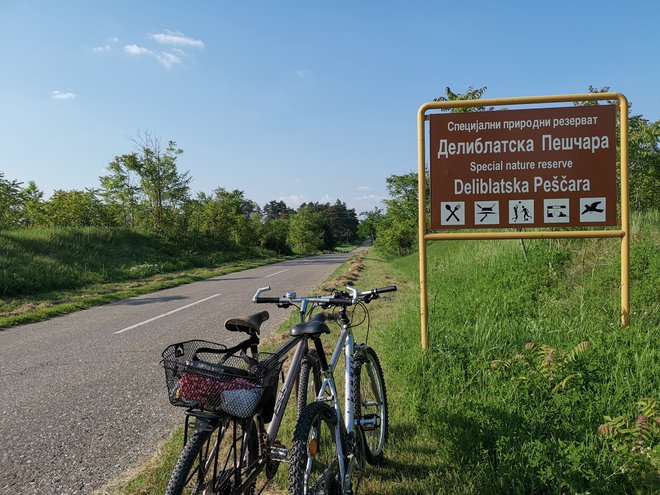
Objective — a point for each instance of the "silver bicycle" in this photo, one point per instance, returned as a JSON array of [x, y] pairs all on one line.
[[333, 441]]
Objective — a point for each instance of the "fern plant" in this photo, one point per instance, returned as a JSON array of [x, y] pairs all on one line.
[[555, 367], [638, 435]]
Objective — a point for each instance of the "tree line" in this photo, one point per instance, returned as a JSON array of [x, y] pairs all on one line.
[[144, 190]]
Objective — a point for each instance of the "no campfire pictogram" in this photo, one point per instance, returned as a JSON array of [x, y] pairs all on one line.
[[487, 212]]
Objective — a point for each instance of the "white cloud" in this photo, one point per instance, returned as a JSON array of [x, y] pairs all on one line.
[[173, 56], [175, 38], [293, 200], [137, 50], [106, 47], [60, 95], [302, 72], [168, 60], [367, 202], [364, 188]]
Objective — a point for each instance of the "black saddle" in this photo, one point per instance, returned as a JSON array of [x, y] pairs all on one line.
[[315, 326], [248, 324]]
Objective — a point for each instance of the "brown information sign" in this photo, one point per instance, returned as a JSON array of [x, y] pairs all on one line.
[[550, 167]]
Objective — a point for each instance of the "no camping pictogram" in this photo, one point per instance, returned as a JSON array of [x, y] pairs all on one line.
[[556, 210]]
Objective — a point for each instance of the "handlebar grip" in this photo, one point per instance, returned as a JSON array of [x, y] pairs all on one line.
[[389, 288], [339, 301], [269, 300]]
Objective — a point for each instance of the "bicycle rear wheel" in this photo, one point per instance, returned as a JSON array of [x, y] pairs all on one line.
[[370, 399], [216, 460], [314, 467]]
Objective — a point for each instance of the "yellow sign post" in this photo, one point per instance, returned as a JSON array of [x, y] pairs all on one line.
[[492, 194]]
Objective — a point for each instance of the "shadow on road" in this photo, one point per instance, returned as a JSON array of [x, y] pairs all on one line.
[[148, 300]]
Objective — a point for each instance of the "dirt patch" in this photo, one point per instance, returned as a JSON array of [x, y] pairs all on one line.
[[349, 277]]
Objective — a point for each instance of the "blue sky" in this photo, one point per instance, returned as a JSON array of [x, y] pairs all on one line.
[[291, 100]]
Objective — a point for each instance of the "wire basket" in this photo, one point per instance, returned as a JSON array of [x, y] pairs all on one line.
[[201, 374]]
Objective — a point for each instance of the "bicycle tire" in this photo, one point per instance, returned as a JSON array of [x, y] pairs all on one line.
[[188, 478], [370, 402], [306, 392], [313, 467]]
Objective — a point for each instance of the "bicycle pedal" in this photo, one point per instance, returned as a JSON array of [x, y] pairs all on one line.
[[279, 452], [369, 422]]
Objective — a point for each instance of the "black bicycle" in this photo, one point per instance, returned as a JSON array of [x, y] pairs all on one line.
[[231, 394]]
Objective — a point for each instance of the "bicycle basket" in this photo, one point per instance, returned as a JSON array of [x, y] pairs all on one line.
[[201, 374]]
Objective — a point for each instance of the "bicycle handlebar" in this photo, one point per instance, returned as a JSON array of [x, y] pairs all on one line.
[[292, 297]]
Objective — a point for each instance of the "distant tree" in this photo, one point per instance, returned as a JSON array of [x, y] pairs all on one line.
[[397, 230], [342, 221], [120, 188], [160, 181], [76, 208], [470, 94], [643, 156], [370, 223], [277, 210], [274, 235], [226, 216], [644, 163], [593, 90], [34, 207], [149, 177], [10, 202], [307, 230]]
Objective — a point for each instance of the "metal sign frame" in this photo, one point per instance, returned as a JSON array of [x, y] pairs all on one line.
[[423, 229]]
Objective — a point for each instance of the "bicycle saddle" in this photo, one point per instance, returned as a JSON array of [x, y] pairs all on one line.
[[248, 324], [315, 326]]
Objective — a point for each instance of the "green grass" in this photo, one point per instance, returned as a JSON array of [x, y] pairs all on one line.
[[482, 412], [462, 427], [47, 272]]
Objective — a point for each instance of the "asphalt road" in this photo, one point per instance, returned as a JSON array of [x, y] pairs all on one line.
[[83, 395]]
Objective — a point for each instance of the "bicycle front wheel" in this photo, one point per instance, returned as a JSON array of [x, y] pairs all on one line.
[[314, 466], [309, 381], [216, 460], [370, 399]]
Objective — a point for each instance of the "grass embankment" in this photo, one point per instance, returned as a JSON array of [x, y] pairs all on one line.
[[525, 360], [45, 272], [507, 400]]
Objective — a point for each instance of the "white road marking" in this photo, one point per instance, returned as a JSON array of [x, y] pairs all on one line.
[[277, 273], [164, 314]]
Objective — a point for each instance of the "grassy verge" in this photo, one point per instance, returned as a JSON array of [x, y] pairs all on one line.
[[526, 362], [508, 399], [48, 272]]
